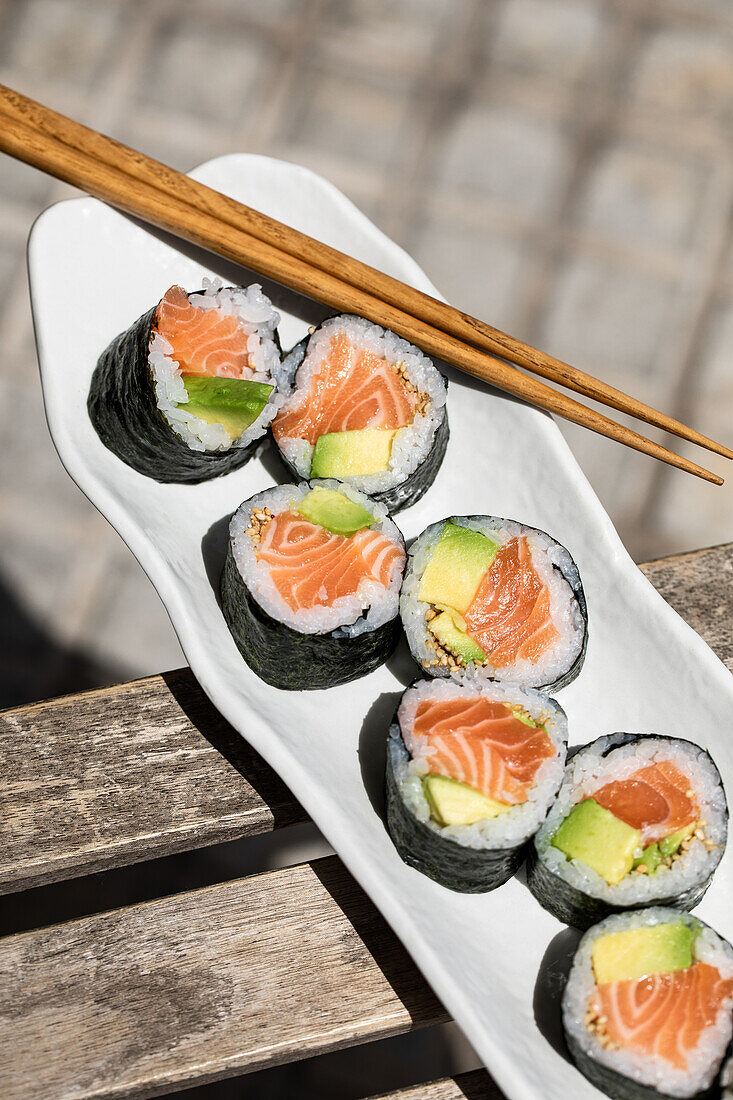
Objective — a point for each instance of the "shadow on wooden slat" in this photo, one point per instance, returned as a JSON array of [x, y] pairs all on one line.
[[185, 689]]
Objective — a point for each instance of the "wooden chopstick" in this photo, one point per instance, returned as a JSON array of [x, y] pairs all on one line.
[[347, 268], [168, 206]]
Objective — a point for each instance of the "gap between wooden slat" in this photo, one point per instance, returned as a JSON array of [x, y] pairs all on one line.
[[149, 768], [466, 1086]]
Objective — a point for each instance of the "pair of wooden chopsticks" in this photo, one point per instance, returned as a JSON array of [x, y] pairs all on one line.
[[157, 194]]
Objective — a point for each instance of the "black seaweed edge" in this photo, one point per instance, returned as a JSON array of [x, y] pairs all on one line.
[[288, 659], [575, 584], [123, 410], [414, 487], [615, 1084], [572, 906], [465, 870]]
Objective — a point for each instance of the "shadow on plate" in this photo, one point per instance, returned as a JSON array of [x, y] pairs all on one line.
[[214, 551], [549, 987], [373, 748]]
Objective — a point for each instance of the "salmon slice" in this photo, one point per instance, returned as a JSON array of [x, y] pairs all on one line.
[[480, 743], [657, 799], [311, 567], [664, 1015], [204, 341], [510, 613], [353, 389]]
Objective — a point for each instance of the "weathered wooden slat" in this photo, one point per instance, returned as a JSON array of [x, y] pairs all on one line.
[[466, 1086], [203, 985], [149, 768], [699, 586], [109, 777]]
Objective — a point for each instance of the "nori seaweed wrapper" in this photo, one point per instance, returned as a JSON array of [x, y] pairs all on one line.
[[413, 487], [122, 407], [467, 870], [571, 905], [289, 659]]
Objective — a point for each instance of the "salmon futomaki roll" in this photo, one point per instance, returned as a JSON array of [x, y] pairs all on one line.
[[363, 406], [648, 1007], [495, 599], [471, 771], [189, 390], [310, 588], [638, 821]]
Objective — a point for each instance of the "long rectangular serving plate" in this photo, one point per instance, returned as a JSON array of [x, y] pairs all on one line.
[[92, 273]]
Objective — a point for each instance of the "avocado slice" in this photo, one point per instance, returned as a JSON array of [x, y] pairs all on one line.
[[334, 511], [454, 803], [638, 952], [670, 844], [449, 636], [593, 835], [521, 715], [456, 567], [650, 858], [235, 403], [347, 454]]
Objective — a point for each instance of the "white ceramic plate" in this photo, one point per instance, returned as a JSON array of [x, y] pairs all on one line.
[[93, 272]]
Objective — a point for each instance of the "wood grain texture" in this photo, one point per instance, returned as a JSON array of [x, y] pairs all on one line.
[[106, 778], [466, 1086], [169, 208], [203, 985], [149, 768], [699, 586], [151, 173]]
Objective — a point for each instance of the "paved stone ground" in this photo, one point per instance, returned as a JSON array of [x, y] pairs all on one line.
[[560, 167]]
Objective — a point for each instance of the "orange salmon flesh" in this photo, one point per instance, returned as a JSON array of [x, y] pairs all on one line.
[[352, 390], [664, 1015], [204, 341], [657, 799], [480, 743], [509, 616], [311, 567]]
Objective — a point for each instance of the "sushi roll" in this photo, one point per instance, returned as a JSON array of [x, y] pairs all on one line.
[[471, 771], [647, 1011], [638, 821], [494, 599], [310, 588], [363, 406], [187, 392]]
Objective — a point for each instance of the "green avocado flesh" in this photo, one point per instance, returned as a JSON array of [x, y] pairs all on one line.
[[334, 511], [592, 834], [350, 454], [669, 845], [456, 567], [449, 636], [454, 803], [234, 403], [639, 952], [649, 858]]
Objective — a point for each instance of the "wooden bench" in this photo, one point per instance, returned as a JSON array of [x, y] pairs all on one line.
[[213, 982]]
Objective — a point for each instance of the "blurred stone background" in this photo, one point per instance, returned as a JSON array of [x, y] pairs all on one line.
[[562, 168]]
